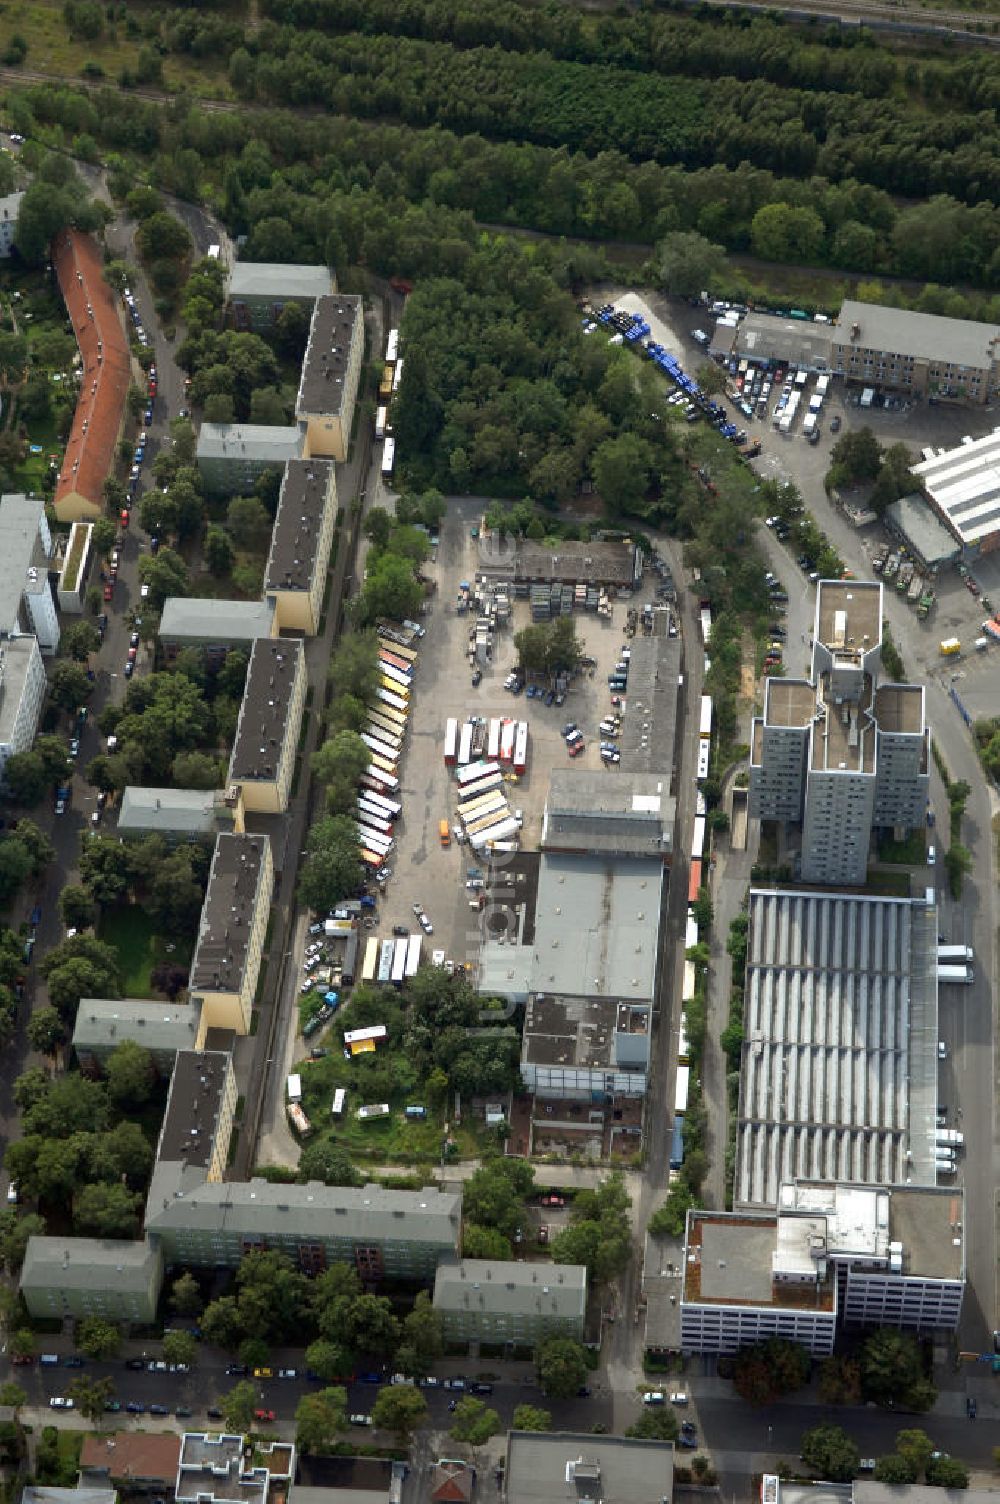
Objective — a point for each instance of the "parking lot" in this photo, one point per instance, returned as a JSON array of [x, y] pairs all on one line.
[[423, 871]]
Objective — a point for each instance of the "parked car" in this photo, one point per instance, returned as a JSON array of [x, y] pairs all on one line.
[[264, 1415], [360, 1419]]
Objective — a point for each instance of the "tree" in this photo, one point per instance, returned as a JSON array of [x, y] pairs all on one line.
[[423, 1333], [239, 1405], [163, 236], [46, 1031], [12, 1395], [948, 1472], [69, 686], [98, 1338], [268, 406], [319, 1418], [105, 1211], [372, 1326], [494, 1194], [831, 1453], [185, 1295], [957, 864], [531, 1418], [77, 907], [772, 1368], [474, 1422], [711, 378], [219, 552], [328, 1162], [656, 1423], [91, 1397], [196, 770], [857, 455], [783, 232], [220, 1323], [670, 1219], [13, 356], [27, 779], [354, 666], [391, 589], [485, 1243], [690, 264], [621, 469], [22, 1343], [332, 868], [249, 523], [892, 1369], [562, 1367], [400, 1408], [328, 1359], [343, 759], [180, 1347], [15, 868], [895, 1469], [131, 1075], [378, 527], [840, 1381]]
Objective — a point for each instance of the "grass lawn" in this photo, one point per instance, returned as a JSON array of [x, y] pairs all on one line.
[[129, 930], [911, 852]]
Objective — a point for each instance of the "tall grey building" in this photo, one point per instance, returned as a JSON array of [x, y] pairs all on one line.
[[840, 753]]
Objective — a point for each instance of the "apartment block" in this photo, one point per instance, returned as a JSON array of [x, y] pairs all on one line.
[[164, 1029], [228, 1469], [22, 693], [179, 814], [76, 564], [926, 354], [259, 291], [201, 1108], [27, 603], [80, 1277], [577, 1467], [217, 626], [832, 1253], [233, 924], [233, 456], [138, 1461], [10, 208], [501, 1300], [328, 385], [270, 719], [840, 754], [295, 578]]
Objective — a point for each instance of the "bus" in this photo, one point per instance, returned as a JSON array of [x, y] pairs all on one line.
[[394, 687], [349, 964], [389, 655], [394, 701], [370, 966], [381, 414], [683, 1048], [393, 808], [298, 1120], [388, 456], [480, 787], [471, 812], [475, 770], [382, 766], [690, 931], [392, 739], [372, 815], [392, 345], [373, 840], [694, 882], [698, 840], [400, 650], [521, 748], [493, 741], [397, 376], [386, 953], [482, 820], [396, 718], [681, 1090], [375, 778], [413, 954], [504, 830], [706, 715], [399, 961], [704, 753], [450, 742], [688, 985], [374, 1034], [371, 859], [508, 732], [395, 676], [465, 744], [372, 1112], [378, 745], [385, 385]]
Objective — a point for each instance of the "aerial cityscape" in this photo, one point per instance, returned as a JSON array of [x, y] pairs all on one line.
[[499, 742]]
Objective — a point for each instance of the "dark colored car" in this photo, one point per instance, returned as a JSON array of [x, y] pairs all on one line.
[[159, 1410], [214, 1413], [134, 1408], [137, 1364], [73, 1362], [238, 1370]]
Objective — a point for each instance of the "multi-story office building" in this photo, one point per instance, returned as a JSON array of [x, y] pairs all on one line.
[[501, 1300], [840, 754], [566, 1467], [259, 291], [328, 386], [267, 732], [233, 456], [895, 349], [81, 1277], [301, 541], [831, 1254], [230, 944]]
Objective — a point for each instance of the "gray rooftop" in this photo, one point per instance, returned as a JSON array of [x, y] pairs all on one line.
[[77, 1264], [198, 1090], [867, 1491], [768, 336], [507, 1287], [280, 281], [578, 1031], [610, 562], [368, 1214], [180, 811], [21, 549], [214, 1467], [596, 923], [964, 483], [324, 366], [928, 336], [839, 1076], [102, 1023], [17, 654], [229, 623], [307, 488], [568, 1467], [41, 1493], [270, 443], [916, 521], [277, 665], [649, 729], [228, 913], [628, 815]]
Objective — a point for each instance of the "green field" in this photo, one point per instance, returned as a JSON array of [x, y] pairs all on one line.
[[129, 930]]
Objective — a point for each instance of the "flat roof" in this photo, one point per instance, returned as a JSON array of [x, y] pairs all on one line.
[[307, 489], [213, 1466], [797, 342], [568, 1467], [649, 731], [324, 365], [849, 616], [509, 1287], [789, 702], [843, 739], [277, 666], [586, 812], [867, 1491], [17, 656], [926, 336], [729, 1261], [920, 1223], [578, 1031], [102, 1023], [231, 623], [73, 1263], [271, 444], [198, 1090], [900, 708], [611, 561], [132, 1454], [839, 1067], [279, 280], [228, 913], [964, 484], [596, 927], [190, 811], [915, 520], [21, 550]]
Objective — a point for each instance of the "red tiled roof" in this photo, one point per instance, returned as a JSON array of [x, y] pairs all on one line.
[[451, 1482], [133, 1454], [90, 452]]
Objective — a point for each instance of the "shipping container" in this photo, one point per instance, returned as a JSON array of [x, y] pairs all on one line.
[[370, 967], [399, 962], [694, 882], [475, 770], [413, 954], [493, 740], [681, 1090], [706, 715], [386, 954], [521, 748], [698, 839], [388, 456], [465, 744], [508, 735]]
